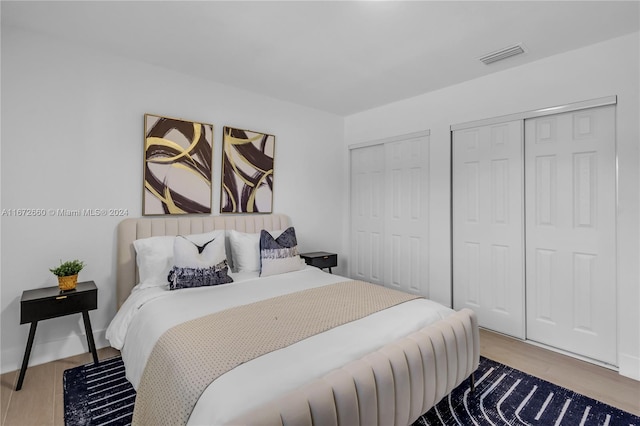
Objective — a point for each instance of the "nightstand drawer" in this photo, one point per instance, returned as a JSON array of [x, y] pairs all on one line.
[[41, 304], [325, 261], [320, 259]]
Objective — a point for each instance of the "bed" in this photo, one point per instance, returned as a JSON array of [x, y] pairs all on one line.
[[419, 352]]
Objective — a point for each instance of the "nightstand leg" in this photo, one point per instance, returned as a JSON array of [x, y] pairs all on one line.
[[330, 270], [27, 353], [89, 331]]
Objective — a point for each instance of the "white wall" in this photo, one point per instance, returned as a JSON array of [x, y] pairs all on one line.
[[608, 68], [72, 137]]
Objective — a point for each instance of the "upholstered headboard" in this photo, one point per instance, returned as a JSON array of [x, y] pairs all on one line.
[[130, 230]]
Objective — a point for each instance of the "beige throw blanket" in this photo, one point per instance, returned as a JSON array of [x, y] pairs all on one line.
[[189, 356]]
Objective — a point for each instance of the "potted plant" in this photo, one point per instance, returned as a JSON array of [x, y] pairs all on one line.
[[67, 273]]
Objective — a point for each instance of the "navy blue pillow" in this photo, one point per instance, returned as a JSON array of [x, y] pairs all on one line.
[[199, 277]]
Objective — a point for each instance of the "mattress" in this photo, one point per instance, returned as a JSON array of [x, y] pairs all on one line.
[[148, 313]]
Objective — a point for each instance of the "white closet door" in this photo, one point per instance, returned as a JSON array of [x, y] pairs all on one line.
[[367, 213], [389, 213], [406, 224], [570, 232], [488, 273]]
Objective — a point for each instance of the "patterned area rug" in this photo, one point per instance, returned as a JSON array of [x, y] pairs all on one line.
[[101, 395], [98, 394], [505, 396]]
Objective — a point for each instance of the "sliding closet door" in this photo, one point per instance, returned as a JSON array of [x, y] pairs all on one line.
[[406, 223], [570, 232], [367, 213], [488, 272]]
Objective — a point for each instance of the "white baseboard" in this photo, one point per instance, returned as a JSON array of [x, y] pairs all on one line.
[[629, 366], [51, 351], [573, 355]]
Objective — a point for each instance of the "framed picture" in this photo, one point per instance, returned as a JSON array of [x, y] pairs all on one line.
[[178, 158], [247, 171]]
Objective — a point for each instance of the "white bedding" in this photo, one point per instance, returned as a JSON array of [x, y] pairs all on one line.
[[148, 313]]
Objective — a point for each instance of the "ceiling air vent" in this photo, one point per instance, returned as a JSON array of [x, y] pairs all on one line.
[[501, 54]]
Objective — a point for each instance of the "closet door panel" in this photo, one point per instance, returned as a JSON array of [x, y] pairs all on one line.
[[488, 271], [407, 223], [570, 232], [367, 213]]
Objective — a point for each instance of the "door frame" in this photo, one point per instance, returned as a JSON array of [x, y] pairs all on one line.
[[575, 106]]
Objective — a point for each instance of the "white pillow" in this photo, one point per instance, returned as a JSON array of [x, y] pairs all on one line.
[[188, 252], [154, 256], [198, 262], [245, 250]]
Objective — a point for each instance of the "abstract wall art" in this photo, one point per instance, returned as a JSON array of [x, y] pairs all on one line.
[[178, 158], [247, 171]]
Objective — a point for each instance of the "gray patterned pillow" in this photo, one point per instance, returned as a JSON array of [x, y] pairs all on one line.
[[279, 255], [199, 277]]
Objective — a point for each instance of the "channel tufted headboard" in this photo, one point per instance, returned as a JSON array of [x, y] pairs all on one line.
[[132, 229]]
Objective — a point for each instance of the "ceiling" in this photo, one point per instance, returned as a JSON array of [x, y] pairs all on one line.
[[337, 56]]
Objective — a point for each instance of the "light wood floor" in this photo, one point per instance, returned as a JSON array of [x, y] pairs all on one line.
[[40, 400], [588, 379]]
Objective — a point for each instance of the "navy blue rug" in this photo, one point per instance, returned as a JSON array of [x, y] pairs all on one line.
[[101, 395], [506, 396], [98, 394]]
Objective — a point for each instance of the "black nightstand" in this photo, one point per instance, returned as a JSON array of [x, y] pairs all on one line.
[[50, 302], [320, 259]]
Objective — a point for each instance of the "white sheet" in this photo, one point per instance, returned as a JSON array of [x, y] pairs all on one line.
[[150, 312]]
